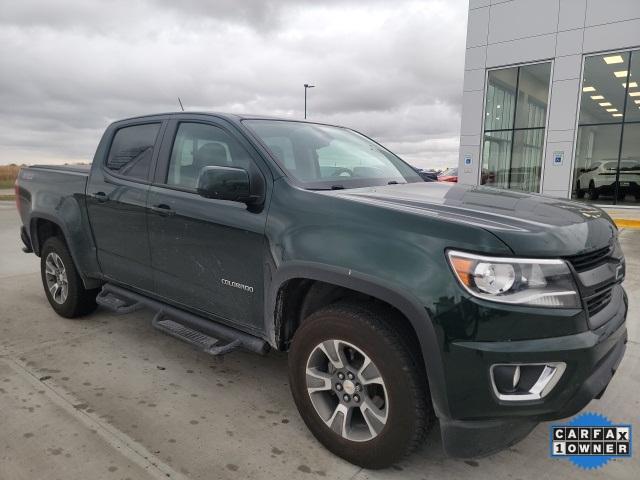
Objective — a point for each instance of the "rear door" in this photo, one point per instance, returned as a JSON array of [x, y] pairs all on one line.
[[117, 200], [207, 254]]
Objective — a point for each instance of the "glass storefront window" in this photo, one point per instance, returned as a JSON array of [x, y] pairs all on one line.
[[632, 113], [629, 176], [496, 158], [607, 158], [533, 93], [526, 160], [602, 90], [501, 96], [596, 160], [514, 126]]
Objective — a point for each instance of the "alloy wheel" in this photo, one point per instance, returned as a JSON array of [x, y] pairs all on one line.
[[347, 390], [56, 277]]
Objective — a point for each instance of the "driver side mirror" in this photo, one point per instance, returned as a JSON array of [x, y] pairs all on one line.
[[226, 183]]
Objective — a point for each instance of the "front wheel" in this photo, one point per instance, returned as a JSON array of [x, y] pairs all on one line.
[[358, 385], [62, 283]]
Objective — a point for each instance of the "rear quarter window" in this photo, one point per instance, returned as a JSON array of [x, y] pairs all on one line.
[[132, 150]]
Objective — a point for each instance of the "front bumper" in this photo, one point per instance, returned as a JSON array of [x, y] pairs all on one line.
[[482, 424]]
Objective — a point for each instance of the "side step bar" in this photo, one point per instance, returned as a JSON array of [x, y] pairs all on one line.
[[209, 336]]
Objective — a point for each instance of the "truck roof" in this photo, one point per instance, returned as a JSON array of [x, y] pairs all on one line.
[[230, 116]]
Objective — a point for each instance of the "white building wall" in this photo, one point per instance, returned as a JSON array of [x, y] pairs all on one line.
[[511, 32]]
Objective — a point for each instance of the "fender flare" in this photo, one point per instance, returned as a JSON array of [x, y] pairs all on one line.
[[403, 301], [36, 245]]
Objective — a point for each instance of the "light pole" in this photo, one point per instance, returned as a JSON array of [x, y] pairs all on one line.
[[306, 86]]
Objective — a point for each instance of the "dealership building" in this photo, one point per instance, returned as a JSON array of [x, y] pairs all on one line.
[[551, 99]]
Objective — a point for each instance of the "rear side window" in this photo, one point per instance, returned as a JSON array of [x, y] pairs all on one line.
[[132, 149]]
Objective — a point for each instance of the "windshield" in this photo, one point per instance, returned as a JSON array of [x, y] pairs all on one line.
[[325, 157]]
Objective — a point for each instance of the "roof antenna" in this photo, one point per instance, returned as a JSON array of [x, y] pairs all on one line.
[[180, 102]]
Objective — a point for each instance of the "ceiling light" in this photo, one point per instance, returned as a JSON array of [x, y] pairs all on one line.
[[605, 104], [620, 73], [637, 101], [634, 94], [588, 89], [597, 97], [616, 114], [612, 109], [613, 59], [631, 85]]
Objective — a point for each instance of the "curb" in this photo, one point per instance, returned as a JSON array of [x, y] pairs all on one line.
[[627, 223]]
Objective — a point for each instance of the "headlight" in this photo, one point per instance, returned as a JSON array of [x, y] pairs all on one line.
[[538, 282]]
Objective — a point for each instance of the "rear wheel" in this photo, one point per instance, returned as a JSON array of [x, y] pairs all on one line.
[[62, 283], [358, 386]]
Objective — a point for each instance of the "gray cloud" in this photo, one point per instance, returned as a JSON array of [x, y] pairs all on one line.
[[392, 70]]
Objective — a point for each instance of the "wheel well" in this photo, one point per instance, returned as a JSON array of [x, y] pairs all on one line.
[[298, 298], [45, 229]]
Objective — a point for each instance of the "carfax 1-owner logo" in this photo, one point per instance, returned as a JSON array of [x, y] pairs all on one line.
[[590, 440]]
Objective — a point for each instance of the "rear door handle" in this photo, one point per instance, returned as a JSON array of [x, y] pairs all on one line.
[[163, 209], [100, 197]]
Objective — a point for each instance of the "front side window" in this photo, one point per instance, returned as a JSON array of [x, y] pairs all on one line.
[[607, 158], [198, 145], [514, 126], [132, 150], [324, 157]]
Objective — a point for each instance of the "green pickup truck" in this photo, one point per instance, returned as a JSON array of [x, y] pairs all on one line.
[[400, 302]]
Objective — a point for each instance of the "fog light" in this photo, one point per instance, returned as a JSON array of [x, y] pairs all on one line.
[[522, 382], [506, 378]]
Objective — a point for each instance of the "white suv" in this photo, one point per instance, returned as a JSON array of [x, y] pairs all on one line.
[[600, 179]]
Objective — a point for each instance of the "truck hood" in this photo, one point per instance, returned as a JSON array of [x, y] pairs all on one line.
[[529, 224]]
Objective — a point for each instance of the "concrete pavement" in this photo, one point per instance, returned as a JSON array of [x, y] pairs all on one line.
[[110, 397]]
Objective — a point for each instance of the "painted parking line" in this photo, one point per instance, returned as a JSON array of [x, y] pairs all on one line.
[[627, 223]]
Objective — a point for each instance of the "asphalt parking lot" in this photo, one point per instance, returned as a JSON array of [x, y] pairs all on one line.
[[110, 397]]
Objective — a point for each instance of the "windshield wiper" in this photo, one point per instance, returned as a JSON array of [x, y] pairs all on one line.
[[337, 187]]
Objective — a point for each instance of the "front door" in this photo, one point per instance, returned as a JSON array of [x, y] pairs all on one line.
[[207, 254], [117, 201]]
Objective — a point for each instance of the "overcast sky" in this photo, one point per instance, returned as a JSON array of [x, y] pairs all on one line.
[[391, 69]]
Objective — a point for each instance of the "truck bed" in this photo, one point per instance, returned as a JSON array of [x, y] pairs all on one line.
[[51, 191], [63, 168]]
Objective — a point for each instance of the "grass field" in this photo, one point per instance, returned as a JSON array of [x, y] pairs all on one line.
[[8, 174]]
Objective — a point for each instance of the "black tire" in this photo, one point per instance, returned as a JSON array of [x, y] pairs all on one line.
[[409, 415], [79, 301], [579, 191], [593, 191]]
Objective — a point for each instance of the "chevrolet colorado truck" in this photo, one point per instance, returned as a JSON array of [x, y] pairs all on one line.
[[400, 302]]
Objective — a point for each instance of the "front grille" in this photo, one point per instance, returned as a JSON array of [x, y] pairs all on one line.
[[601, 299], [587, 261]]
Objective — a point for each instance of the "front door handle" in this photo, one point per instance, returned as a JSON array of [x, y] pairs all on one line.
[[163, 209], [100, 197]]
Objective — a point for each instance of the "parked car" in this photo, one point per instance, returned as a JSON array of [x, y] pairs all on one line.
[[427, 175], [449, 175], [399, 302], [600, 179]]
